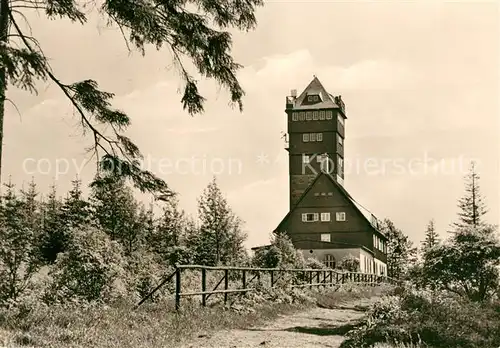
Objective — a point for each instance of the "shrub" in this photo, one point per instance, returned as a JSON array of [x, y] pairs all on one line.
[[350, 263], [92, 269]]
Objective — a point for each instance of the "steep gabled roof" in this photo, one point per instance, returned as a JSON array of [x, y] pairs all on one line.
[[315, 88], [369, 217]]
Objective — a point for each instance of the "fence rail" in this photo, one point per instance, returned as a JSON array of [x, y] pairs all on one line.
[[298, 278]]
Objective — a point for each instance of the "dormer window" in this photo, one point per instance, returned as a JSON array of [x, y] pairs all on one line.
[[313, 98]]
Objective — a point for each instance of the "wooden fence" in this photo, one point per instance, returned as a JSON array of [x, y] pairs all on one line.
[[248, 278]]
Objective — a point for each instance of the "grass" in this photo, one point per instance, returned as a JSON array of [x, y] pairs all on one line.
[[150, 326]]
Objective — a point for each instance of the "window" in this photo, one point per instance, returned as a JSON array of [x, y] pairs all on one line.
[[340, 216], [329, 261], [305, 159], [340, 140], [340, 118], [330, 193], [308, 115], [329, 115], [312, 137], [325, 237], [322, 115], [301, 116], [305, 137], [309, 217], [340, 164], [325, 216], [316, 194], [319, 136], [340, 180], [315, 115], [312, 98], [295, 117]]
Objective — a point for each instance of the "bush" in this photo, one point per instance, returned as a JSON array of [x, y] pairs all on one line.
[[350, 263], [431, 318], [92, 269]]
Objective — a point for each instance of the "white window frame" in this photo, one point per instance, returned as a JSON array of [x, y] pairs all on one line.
[[329, 261], [308, 115], [328, 114], [301, 116], [319, 136], [314, 217], [305, 137], [325, 217], [315, 116], [340, 216], [306, 159], [322, 115], [295, 117], [326, 237], [312, 137]]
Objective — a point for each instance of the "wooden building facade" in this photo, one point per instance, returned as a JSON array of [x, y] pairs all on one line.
[[324, 221]]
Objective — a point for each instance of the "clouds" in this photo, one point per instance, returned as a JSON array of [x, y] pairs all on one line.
[[415, 79]]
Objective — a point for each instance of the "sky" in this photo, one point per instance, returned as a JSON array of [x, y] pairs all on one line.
[[420, 82]]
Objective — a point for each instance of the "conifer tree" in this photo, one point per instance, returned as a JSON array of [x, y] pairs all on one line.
[[18, 257], [54, 234], [220, 236], [194, 31], [431, 237], [471, 206], [116, 211], [171, 228], [31, 207], [400, 251], [76, 210]]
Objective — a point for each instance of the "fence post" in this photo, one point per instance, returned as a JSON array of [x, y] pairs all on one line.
[[204, 286], [226, 284], [272, 279], [317, 277], [177, 288], [244, 279], [310, 279]]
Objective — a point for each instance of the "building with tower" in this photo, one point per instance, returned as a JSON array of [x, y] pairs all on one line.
[[324, 221]]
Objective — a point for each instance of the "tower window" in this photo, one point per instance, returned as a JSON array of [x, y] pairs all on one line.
[[305, 137], [319, 136], [329, 114], [326, 237], [312, 98], [295, 117], [308, 115], [325, 217], [315, 115], [301, 116], [322, 115], [340, 140], [305, 159], [312, 137], [340, 216], [309, 217]]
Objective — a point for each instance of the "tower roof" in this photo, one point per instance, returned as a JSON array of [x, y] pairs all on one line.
[[326, 99]]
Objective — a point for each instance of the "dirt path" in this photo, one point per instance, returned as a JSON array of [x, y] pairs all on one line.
[[317, 327]]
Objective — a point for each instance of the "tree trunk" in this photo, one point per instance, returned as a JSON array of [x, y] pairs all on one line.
[[4, 30]]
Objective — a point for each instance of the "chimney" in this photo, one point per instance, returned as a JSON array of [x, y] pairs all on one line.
[[293, 93]]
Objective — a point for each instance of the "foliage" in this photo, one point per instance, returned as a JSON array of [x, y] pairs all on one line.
[[400, 251], [431, 237], [18, 255], [201, 36], [472, 206], [428, 318], [219, 238], [279, 254], [54, 235], [88, 269], [350, 263], [468, 264]]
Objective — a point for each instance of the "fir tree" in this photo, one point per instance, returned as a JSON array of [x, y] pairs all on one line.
[[18, 261], [170, 229], [31, 207], [54, 234], [198, 31], [116, 211], [76, 210], [220, 237], [431, 237], [471, 206], [400, 251]]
